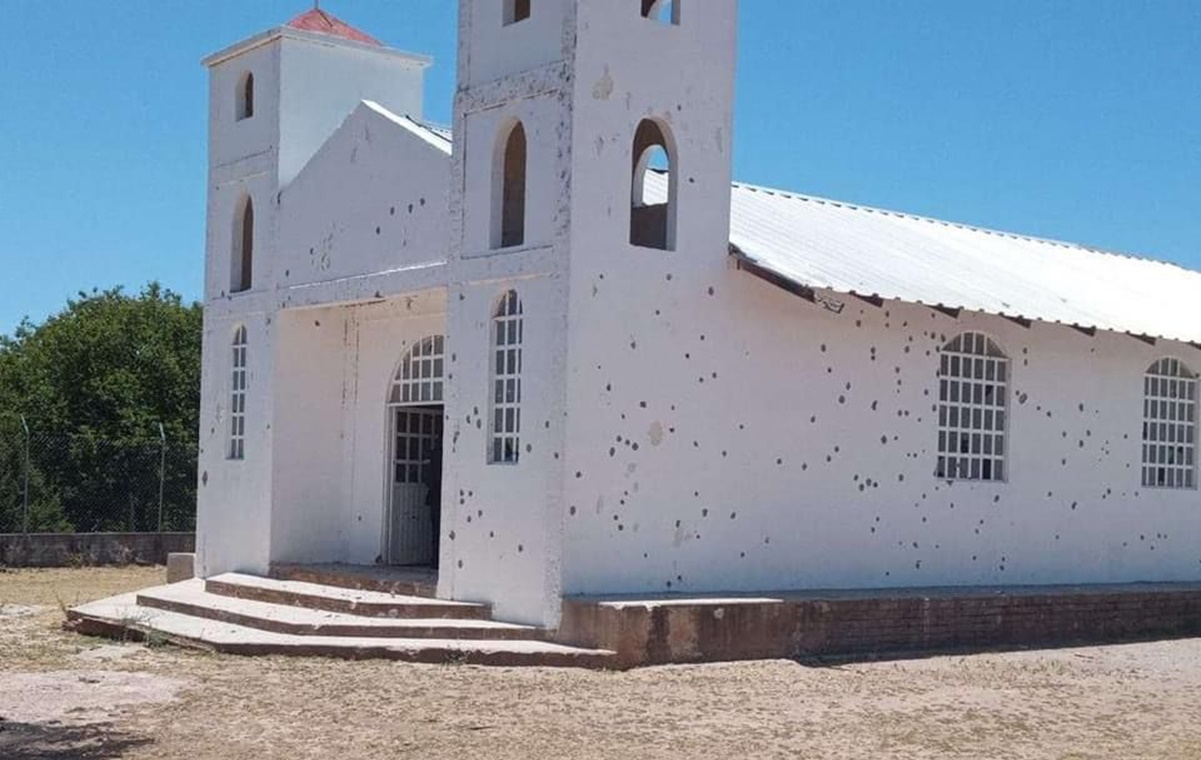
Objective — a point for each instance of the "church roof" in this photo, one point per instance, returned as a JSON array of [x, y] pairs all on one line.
[[820, 244], [317, 20]]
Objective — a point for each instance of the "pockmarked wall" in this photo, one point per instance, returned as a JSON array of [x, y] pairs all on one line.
[[729, 435]]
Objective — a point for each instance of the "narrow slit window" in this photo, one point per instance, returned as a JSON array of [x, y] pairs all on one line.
[[663, 11], [653, 188], [516, 10], [973, 376], [504, 445], [237, 395], [1170, 426], [242, 260], [510, 189], [245, 96]]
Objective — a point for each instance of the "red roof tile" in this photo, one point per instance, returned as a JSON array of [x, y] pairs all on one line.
[[317, 20]]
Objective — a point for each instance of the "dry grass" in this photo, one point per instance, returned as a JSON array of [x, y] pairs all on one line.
[[1134, 701]]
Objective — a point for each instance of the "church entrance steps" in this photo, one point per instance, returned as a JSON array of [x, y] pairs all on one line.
[[190, 598], [338, 599], [123, 616], [405, 581]]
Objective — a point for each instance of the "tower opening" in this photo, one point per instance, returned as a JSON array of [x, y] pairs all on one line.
[[245, 96], [663, 11], [509, 189], [653, 188], [242, 261]]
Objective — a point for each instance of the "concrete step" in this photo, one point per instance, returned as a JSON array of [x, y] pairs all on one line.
[[405, 581], [334, 599], [190, 598], [122, 616]]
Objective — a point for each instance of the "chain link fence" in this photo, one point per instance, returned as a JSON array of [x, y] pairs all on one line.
[[76, 482]]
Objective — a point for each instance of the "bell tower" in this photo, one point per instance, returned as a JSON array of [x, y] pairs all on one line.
[[591, 161]]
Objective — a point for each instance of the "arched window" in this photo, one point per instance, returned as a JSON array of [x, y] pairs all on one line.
[[245, 96], [973, 374], [508, 223], [505, 440], [237, 395], [1170, 425], [419, 377], [242, 261], [653, 188], [663, 11], [516, 10]]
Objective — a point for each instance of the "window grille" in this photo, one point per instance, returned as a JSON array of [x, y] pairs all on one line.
[[973, 373], [419, 378], [237, 396], [1169, 425], [507, 329]]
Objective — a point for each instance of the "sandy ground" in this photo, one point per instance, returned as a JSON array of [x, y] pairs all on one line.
[[65, 696]]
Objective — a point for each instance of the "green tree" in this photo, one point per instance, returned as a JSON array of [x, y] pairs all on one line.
[[94, 382]]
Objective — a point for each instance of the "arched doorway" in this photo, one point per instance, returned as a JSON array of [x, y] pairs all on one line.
[[414, 491]]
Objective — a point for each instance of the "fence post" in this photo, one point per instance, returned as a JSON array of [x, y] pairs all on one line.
[[25, 484], [162, 472]]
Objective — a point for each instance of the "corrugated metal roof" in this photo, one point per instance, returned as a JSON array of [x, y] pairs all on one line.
[[822, 244]]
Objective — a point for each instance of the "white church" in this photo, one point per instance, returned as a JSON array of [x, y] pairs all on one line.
[[555, 351]]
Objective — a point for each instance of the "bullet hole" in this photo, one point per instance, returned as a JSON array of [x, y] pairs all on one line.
[[884, 440], [669, 276], [813, 419], [875, 405], [733, 515], [621, 527], [612, 451], [723, 454], [633, 345], [711, 291], [842, 399], [704, 513], [742, 555], [460, 564], [520, 548], [642, 404], [377, 230], [766, 540], [572, 511], [422, 201], [823, 348], [392, 211], [579, 475], [804, 466], [677, 523], [410, 208]]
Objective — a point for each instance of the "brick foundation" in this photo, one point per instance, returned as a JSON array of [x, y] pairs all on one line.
[[885, 622]]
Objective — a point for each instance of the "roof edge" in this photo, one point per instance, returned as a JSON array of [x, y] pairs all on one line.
[[286, 32]]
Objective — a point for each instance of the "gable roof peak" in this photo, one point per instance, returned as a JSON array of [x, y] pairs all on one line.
[[318, 21]]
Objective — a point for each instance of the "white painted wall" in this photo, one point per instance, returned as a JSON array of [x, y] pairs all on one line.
[[774, 451], [373, 199], [490, 50], [233, 524], [323, 79]]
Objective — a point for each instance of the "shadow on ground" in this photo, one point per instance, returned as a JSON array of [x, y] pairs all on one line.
[[36, 741]]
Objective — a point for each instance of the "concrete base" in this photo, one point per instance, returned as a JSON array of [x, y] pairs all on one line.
[[181, 566], [854, 624]]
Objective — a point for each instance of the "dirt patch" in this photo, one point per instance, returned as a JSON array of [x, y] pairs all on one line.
[[80, 696], [1133, 701]]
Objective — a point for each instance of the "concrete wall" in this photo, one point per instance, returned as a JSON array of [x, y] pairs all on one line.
[[734, 436], [391, 213], [85, 549]]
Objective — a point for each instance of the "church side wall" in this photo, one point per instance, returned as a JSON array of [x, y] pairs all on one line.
[[728, 435]]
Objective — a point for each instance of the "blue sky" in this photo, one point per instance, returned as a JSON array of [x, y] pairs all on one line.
[[1071, 119]]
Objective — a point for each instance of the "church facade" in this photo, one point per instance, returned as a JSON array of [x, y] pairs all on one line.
[[556, 351]]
